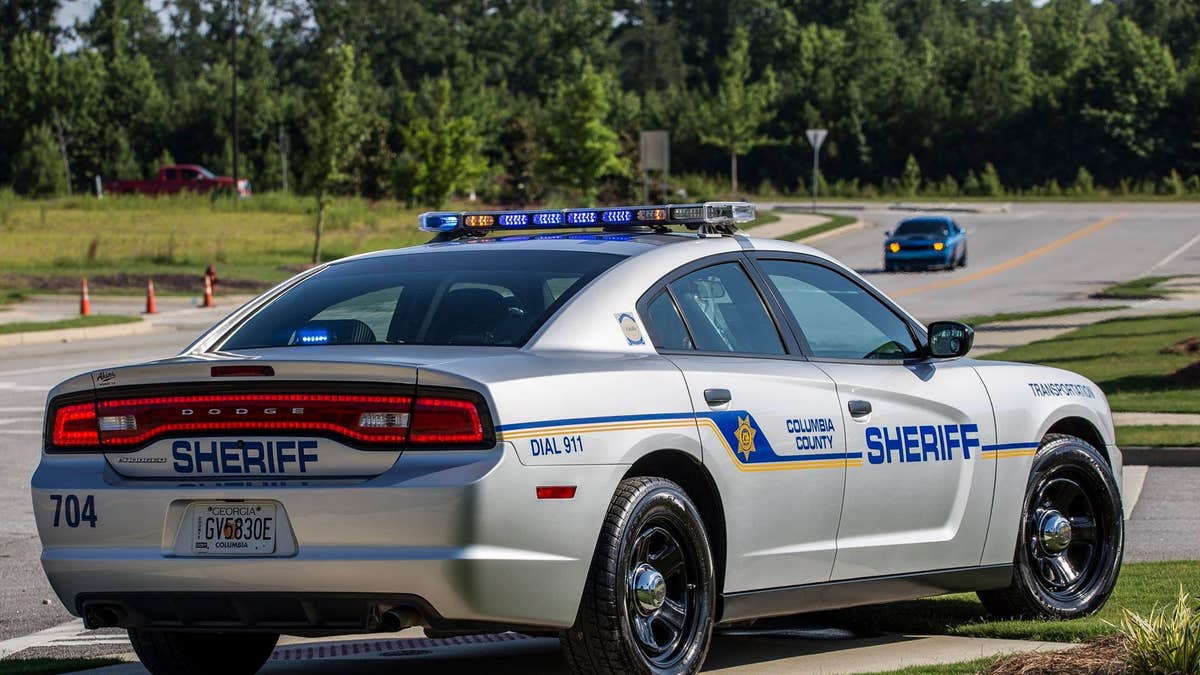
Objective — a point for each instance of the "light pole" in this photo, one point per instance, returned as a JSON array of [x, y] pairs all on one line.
[[815, 138]]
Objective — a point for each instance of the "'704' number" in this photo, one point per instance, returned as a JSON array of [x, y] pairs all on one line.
[[73, 511]]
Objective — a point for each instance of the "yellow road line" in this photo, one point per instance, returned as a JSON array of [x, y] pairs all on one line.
[[1012, 262]]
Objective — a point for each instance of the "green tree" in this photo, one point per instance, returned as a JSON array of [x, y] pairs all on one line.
[[580, 147], [910, 180], [39, 166], [442, 147], [337, 131], [731, 118]]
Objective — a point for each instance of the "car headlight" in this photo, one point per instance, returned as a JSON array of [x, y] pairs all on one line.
[[938, 246], [894, 247]]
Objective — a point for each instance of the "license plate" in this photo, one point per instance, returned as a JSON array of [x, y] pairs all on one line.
[[232, 528]]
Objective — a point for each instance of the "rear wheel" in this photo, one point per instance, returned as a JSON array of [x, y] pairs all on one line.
[[649, 601], [1071, 539], [962, 261], [176, 653]]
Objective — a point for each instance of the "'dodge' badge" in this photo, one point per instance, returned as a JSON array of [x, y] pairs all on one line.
[[745, 437]]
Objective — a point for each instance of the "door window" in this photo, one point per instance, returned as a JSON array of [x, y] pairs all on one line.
[[724, 311], [839, 318]]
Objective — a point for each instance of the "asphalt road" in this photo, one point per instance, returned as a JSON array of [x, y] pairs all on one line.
[[1037, 256]]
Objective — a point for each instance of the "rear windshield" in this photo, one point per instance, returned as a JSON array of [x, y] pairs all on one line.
[[926, 227], [488, 297]]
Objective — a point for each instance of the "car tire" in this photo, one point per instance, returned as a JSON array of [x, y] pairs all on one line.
[[634, 617], [962, 261], [1057, 576], [178, 653]]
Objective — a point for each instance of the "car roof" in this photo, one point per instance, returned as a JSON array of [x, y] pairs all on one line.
[[626, 244], [934, 219]]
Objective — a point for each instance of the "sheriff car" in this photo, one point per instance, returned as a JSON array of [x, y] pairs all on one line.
[[626, 427]]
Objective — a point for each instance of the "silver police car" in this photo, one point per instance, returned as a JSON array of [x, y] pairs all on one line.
[[622, 426]]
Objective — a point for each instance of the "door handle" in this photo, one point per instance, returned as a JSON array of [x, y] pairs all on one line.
[[859, 408], [717, 397]]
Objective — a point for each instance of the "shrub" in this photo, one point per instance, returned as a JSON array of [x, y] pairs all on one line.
[[989, 182], [1173, 184], [1167, 641], [1084, 183]]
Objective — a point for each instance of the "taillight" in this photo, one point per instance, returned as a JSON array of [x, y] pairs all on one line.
[[384, 421], [441, 421], [75, 426]]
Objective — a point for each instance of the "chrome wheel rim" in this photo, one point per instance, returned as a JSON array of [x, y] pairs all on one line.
[[662, 597], [1064, 536]]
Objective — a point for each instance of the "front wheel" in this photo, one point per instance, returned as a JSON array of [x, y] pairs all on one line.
[[650, 596], [176, 653], [1071, 538]]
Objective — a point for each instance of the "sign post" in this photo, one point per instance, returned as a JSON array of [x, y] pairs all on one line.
[[815, 138], [656, 156]]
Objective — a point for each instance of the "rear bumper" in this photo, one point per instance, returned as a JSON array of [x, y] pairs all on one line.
[[458, 536]]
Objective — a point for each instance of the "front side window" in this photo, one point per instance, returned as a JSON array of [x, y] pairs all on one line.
[[666, 326], [724, 311], [478, 298], [839, 318]]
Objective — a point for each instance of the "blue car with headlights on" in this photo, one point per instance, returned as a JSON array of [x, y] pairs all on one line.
[[927, 241]]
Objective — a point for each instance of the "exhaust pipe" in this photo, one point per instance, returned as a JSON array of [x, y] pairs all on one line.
[[102, 616], [399, 618]]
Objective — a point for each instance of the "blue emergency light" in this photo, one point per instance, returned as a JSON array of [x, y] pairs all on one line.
[[617, 218]]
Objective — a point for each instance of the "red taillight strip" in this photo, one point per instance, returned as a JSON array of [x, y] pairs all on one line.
[[438, 421], [75, 426], [347, 407]]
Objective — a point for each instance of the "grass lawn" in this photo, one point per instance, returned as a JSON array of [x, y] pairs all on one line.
[[1142, 586], [1158, 435], [1124, 356], [1136, 289], [835, 221], [984, 319], [960, 668], [77, 322], [51, 666], [118, 242]]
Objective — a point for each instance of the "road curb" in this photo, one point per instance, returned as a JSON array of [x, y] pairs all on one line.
[[39, 337], [1161, 456]]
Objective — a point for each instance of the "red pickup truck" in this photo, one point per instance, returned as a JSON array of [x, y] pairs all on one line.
[[177, 178]]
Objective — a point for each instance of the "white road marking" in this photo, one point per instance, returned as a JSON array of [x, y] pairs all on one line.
[[13, 386], [1174, 254], [1133, 478], [70, 633], [22, 408], [18, 420], [19, 431]]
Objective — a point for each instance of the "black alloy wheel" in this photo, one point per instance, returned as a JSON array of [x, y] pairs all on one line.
[[649, 602], [1072, 536]]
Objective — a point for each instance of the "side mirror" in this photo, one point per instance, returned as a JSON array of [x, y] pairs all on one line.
[[887, 233], [950, 339]]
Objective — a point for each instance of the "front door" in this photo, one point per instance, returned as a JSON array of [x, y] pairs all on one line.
[[769, 424], [921, 498]]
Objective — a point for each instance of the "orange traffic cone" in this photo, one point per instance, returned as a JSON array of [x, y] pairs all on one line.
[[85, 303], [151, 305], [208, 298]]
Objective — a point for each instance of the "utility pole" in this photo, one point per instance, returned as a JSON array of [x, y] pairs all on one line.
[[233, 39], [815, 138]]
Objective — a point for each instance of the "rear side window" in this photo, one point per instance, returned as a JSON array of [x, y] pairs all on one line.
[[666, 326], [724, 311], [476, 298]]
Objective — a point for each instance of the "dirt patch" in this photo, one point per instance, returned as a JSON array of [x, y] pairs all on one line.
[[1103, 656], [125, 282], [1183, 347]]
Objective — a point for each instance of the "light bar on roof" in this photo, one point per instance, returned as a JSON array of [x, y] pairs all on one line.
[[614, 218]]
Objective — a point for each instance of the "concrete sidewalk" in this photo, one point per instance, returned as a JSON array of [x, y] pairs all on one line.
[[800, 651]]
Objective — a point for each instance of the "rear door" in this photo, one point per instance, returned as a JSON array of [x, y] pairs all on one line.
[[921, 499], [769, 424]]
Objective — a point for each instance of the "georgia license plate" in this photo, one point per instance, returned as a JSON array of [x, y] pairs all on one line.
[[232, 528]]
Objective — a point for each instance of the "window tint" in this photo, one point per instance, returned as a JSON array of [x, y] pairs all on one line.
[[724, 312], [171, 174], [839, 318], [447, 298], [666, 326], [928, 228]]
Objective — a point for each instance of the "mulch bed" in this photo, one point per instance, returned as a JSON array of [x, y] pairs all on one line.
[[1184, 347], [1102, 656]]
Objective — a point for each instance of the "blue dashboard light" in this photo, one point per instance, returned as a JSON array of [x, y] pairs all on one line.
[[312, 336], [617, 216]]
